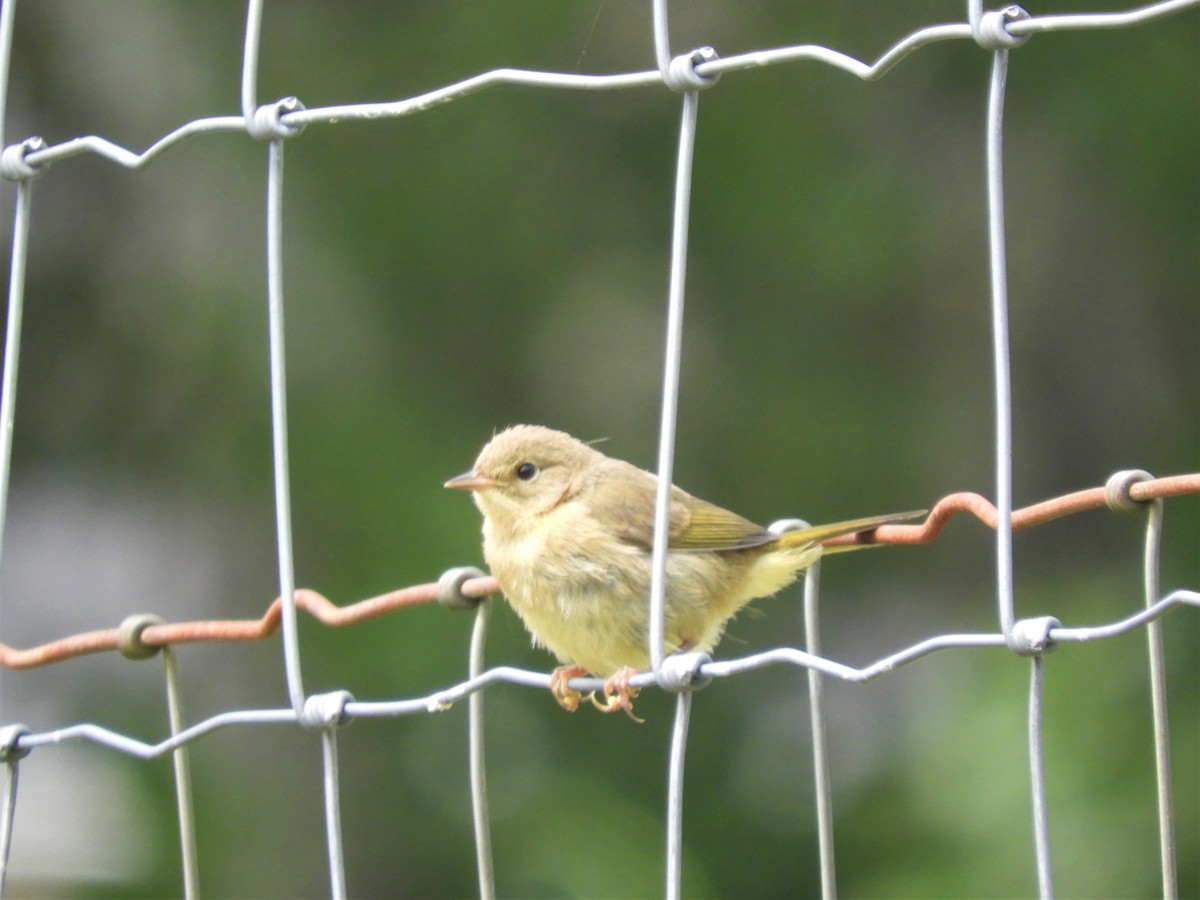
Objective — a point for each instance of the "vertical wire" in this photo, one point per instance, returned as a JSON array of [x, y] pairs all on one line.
[[254, 10], [679, 736], [6, 818], [662, 37], [12, 341], [8, 10], [1037, 771], [279, 434], [816, 698], [479, 791], [674, 341], [333, 814], [183, 780], [1158, 705], [1000, 344], [974, 14]]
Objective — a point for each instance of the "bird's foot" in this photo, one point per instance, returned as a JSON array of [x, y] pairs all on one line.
[[618, 693], [568, 698]]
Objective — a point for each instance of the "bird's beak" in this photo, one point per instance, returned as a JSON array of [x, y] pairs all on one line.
[[471, 481]]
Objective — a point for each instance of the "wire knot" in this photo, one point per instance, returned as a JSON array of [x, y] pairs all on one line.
[[10, 743], [681, 74], [783, 526], [325, 710], [1031, 637], [991, 33], [129, 636], [450, 585], [267, 123], [13, 163], [682, 672], [1116, 490]]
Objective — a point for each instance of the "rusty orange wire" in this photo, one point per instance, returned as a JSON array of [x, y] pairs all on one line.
[[161, 635]]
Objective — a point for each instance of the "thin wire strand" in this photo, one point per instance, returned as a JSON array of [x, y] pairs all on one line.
[[662, 37], [671, 363], [8, 10], [12, 343], [7, 814], [1158, 705], [279, 427], [679, 736], [1000, 345], [1037, 779], [183, 780], [249, 95], [820, 756], [333, 813], [479, 792]]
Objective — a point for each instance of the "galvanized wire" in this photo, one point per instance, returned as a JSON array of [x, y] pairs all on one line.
[[183, 780], [823, 791], [1158, 704], [279, 429]]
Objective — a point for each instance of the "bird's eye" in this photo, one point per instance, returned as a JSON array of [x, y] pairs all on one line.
[[526, 471]]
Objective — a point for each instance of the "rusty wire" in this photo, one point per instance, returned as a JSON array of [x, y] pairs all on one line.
[[155, 636]]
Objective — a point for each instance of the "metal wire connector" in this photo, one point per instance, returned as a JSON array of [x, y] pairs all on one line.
[[783, 526], [450, 585], [682, 672], [992, 32], [681, 74], [325, 710], [129, 636], [1116, 490], [267, 123], [1031, 637], [10, 746], [13, 163]]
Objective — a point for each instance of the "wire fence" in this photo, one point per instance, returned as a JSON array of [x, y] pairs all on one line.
[[689, 74]]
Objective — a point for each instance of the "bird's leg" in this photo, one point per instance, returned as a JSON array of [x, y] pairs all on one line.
[[568, 698], [618, 694]]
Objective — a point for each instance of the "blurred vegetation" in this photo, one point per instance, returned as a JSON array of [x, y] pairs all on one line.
[[503, 258]]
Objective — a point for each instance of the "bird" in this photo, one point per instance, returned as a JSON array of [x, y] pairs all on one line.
[[568, 534]]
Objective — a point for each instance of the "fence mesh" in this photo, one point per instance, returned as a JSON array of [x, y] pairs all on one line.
[[847, 252]]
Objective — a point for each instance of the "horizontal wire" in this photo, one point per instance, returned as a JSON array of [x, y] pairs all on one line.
[[296, 120], [444, 699], [327, 613]]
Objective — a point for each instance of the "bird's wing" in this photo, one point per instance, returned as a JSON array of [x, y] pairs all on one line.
[[710, 527], [693, 524]]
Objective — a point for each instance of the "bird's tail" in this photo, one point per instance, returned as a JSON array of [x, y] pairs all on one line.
[[801, 537]]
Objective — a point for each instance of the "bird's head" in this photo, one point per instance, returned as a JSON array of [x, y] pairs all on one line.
[[526, 471]]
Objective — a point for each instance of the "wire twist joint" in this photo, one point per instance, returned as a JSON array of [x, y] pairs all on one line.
[[129, 636], [682, 76], [1031, 637], [13, 163], [1116, 490], [450, 588], [268, 123], [992, 32], [10, 743], [683, 672], [325, 710]]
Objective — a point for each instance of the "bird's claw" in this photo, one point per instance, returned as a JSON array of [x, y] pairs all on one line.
[[568, 698], [618, 693]]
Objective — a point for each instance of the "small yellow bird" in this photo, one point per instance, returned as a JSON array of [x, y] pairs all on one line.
[[568, 531]]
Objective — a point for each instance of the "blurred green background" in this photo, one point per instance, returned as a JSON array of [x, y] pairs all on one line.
[[503, 259]]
